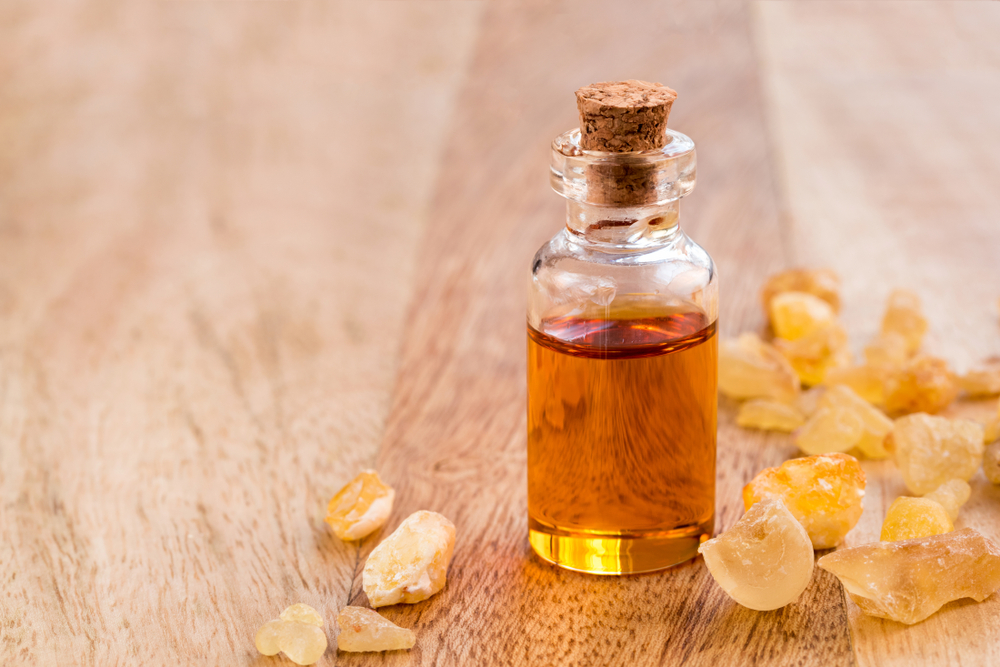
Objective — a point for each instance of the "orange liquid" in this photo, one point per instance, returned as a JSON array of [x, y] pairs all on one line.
[[621, 440]]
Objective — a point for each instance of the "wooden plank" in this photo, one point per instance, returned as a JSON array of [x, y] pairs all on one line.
[[455, 441], [885, 122], [208, 221]]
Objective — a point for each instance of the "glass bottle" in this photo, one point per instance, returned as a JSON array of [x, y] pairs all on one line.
[[622, 366]]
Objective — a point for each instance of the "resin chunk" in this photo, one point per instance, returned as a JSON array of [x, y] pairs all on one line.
[[365, 630], [798, 314], [991, 430], [932, 450], [751, 368], [910, 518], [763, 562], [875, 425], [411, 564], [904, 316], [951, 496], [830, 429], [302, 643], [991, 463], [866, 381], [808, 401], [769, 415], [982, 381], [823, 283], [910, 580], [823, 492], [816, 354], [268, 639], [361, 507], [302, 613], [923, 384], [298, 633], [888, 350]]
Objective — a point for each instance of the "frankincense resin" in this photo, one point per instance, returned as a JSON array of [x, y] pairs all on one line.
[[361, 507], [931, 450], [752, 368], [910, 580], [298, 633], [763, 562], [364, 630], [412, 563], [909, 518], [823, 492]]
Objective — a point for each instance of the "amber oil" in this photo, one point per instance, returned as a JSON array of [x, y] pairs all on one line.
[[621, 438]]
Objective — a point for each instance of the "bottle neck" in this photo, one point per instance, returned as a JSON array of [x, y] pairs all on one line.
[[622, 228]]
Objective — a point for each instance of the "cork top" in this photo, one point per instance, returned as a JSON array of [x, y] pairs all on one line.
[[624, 116]]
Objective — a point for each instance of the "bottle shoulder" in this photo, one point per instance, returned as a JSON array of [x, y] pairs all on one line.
[[569, 278], [565, 251]]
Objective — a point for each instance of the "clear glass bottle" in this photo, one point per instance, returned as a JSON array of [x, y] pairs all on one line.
[[622, 366]]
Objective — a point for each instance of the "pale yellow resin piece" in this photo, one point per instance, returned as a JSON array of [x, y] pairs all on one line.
[[830, 429], [910, 580], [991, 463], [951, 496], [817, 353], [888, 350], [931, 450], [769, 415], [798, 314], [823, 492], [904, 316], [823, 283], [808, 401], [361, 507], [411, 564], [751, 368], [268, 637], [866, 381], [922, 384], [991, 430], [982, 381], [365, 630], [910, 518], [298, 633], [763, 562], [302, 613], [875, 424]]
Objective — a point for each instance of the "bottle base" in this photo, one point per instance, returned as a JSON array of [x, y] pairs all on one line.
[[628, 553]]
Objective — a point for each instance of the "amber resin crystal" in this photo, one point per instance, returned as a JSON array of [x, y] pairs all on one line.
[[910, 518], [412, 563], [763, 562], [823, 492], [910, 580], [951, 496], [769, 415], [365, 630], [822, 283], [361, 507], [752, 368], [931, 450], [298, 633]]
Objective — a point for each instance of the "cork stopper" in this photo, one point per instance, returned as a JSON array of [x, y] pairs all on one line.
[[624, 116]]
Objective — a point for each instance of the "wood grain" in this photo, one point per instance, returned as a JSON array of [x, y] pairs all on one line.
[[455, 441], [904, 195], [249, 248], [208, 220]]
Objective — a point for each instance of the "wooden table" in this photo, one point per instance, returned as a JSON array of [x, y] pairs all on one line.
[[247, 249]]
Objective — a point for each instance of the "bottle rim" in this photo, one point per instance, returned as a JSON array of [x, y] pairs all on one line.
[[642, 178]]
